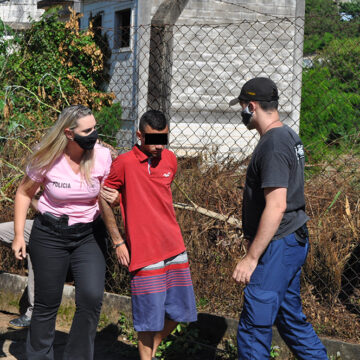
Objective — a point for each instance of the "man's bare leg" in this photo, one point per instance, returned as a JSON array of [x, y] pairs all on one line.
[[169, 326], [146, 342]]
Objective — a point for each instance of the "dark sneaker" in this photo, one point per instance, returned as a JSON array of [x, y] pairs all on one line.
[[21, 322]]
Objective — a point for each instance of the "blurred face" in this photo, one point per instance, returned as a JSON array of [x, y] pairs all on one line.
[[151, 150]]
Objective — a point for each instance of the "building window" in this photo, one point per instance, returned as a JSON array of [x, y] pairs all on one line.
[[97, 24], [122, 29]]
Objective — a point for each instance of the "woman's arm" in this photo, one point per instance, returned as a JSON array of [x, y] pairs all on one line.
[[25, 192]]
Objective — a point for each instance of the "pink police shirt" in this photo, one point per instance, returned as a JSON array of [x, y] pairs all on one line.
[[67, 193]]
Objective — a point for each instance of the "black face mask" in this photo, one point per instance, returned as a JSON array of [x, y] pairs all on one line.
[[86, 142], [246, 115]]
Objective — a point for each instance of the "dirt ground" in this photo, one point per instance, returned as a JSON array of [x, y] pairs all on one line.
[[108, 346]]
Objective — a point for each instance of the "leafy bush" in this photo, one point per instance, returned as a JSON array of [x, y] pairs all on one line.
[[351, 8], [54, 65], [326, 20], [327, 113], [322, 20], [109, 122], [330, 103], [342, 59], [316, 42], [8, 39]]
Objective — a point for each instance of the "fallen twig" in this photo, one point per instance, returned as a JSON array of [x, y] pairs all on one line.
[[229, 219]]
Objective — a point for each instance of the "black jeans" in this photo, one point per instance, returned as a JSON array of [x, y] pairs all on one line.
[[54, 246]]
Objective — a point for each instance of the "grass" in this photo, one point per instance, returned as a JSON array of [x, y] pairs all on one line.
[[65, 315], [9, 301]]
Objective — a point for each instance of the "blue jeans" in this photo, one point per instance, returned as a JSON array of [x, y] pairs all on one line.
[[273, 297], [54, 246]]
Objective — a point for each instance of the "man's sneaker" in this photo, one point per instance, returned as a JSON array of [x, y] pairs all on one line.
[[21, 322]]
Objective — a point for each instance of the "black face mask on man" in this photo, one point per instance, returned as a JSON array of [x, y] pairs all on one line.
[[246, 115], [86, 142]]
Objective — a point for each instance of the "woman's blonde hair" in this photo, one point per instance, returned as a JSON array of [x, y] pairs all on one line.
[[54, 143]]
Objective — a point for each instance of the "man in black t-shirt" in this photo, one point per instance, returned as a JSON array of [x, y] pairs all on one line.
[[274, 222]]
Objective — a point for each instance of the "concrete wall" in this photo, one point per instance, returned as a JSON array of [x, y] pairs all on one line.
[[16, 13], [216, 47], [212, 60]]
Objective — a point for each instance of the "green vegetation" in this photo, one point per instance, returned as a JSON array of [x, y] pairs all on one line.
[[202, 302], [65, 314], [352, 9], [322, 21], [326, 20], [104, 321], [108, 122], [126, 329], [328, 111], [49, 66], [330, 103], [184, 339]]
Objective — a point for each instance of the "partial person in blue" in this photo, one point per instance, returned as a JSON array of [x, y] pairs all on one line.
[[6, 237], [274, 223]]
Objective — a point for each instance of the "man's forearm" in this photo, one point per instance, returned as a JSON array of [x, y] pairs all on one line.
[[110, 221], [275, 200], [269, 223]]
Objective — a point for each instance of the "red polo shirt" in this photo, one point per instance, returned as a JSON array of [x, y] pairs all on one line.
[[152, 231]]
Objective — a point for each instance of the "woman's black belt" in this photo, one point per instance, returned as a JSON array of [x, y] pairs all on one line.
[[59, 223]]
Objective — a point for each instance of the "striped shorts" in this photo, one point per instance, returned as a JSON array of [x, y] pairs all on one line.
[[163, 290]]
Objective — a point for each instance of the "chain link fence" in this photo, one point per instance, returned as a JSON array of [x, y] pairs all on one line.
[[191, 72]]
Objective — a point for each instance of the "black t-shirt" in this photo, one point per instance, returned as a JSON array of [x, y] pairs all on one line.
[[278, 161]]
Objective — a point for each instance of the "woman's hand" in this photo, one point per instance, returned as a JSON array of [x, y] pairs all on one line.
[[110, 195], [19, 247]]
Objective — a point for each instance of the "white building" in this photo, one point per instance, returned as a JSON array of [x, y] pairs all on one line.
[[188, 58], [17, 13]]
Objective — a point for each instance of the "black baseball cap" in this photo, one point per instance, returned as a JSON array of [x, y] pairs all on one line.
[[257, 89]]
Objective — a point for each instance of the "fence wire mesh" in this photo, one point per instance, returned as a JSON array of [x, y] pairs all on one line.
[[191, 72]]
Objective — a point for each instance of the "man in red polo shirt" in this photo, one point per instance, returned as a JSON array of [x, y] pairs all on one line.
[[154, 250]]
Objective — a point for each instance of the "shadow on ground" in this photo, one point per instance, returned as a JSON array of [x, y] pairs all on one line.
[[107, 345], [196, 342]]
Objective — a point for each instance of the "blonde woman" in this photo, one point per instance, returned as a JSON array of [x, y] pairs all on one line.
[[68, 231]]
